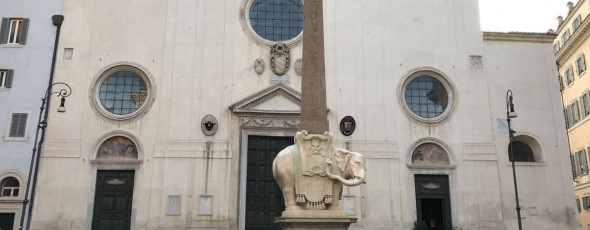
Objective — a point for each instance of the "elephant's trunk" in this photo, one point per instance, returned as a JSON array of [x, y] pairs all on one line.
[[359, 178]]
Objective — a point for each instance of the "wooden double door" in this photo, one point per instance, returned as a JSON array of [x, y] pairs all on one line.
[[113, 200], [433, 203], [264, 199]]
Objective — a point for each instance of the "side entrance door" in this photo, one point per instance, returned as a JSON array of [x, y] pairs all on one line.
[[6, 221], [433, 203], [112, 200], [264, 199]]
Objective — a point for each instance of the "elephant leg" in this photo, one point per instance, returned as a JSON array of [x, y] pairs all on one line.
[[289, 195], [337, 189]]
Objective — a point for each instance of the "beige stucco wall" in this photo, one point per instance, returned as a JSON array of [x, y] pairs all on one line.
[[201, 62], [566, 58]]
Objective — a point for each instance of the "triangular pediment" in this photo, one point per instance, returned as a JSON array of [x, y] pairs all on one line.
[[278, 100]]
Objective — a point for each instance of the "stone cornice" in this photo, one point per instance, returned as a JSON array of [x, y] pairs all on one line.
[[519, 37], [574, 42]]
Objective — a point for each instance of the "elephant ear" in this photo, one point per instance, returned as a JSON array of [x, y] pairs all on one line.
[[342, 158]]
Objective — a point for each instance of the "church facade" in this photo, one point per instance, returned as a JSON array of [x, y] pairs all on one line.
[[179, 107]]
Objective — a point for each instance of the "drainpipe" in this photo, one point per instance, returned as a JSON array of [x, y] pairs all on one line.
[[57, 21]]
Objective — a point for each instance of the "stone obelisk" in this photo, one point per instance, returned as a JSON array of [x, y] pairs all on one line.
[[304, 171], [313, 88]]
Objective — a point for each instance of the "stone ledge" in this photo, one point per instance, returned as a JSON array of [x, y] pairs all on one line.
[[314, 223]]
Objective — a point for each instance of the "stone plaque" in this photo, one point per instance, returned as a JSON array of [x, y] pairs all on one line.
[[285, 79]]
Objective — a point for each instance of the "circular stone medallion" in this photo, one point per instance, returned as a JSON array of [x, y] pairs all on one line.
[[209, 125]]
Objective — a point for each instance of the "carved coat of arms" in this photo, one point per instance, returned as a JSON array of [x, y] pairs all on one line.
[[279, 58]]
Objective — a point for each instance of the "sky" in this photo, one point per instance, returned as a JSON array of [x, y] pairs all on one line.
[[521, 15]]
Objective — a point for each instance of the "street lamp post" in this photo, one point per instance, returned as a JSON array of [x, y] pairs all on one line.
[[64, 92], [511, 114]]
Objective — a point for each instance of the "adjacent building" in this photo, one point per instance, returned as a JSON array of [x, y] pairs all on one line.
[[27, 36], [570, 46], [179, 107]]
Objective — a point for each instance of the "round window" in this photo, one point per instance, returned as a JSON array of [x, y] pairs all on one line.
[[427, 96], [122, 92], [272, 21]]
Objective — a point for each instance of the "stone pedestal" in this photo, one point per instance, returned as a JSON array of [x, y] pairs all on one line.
[[314, 223]]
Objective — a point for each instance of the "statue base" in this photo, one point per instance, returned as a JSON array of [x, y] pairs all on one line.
[[311, 223]]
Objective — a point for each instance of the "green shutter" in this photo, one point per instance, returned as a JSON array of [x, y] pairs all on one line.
[[583, 64], [4, 30], [18, 125], [573, 162], [24, 31], [8, 82]]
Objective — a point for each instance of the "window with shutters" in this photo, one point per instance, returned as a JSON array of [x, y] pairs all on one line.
[[17, 128], [14, 30], [572, 114], [569, 76], [565, 36], [585, 104], [577, 22], [586, 202], [581, 65], [5, 78], [581, 163], [556, 47], [578, 204]]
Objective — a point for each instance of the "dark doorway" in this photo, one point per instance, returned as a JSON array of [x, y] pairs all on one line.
[[264, 199], [433, 205], [6, 221], [113, 200]]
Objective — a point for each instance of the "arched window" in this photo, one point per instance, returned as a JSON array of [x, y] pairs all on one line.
[[9, 187], [522, 152]]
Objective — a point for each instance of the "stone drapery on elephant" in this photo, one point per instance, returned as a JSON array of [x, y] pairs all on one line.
[[311, 172]]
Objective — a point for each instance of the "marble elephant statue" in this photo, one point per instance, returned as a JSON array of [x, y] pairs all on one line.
[[344, 168]]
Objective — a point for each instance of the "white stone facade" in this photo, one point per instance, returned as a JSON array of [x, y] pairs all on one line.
[[199, 58]]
